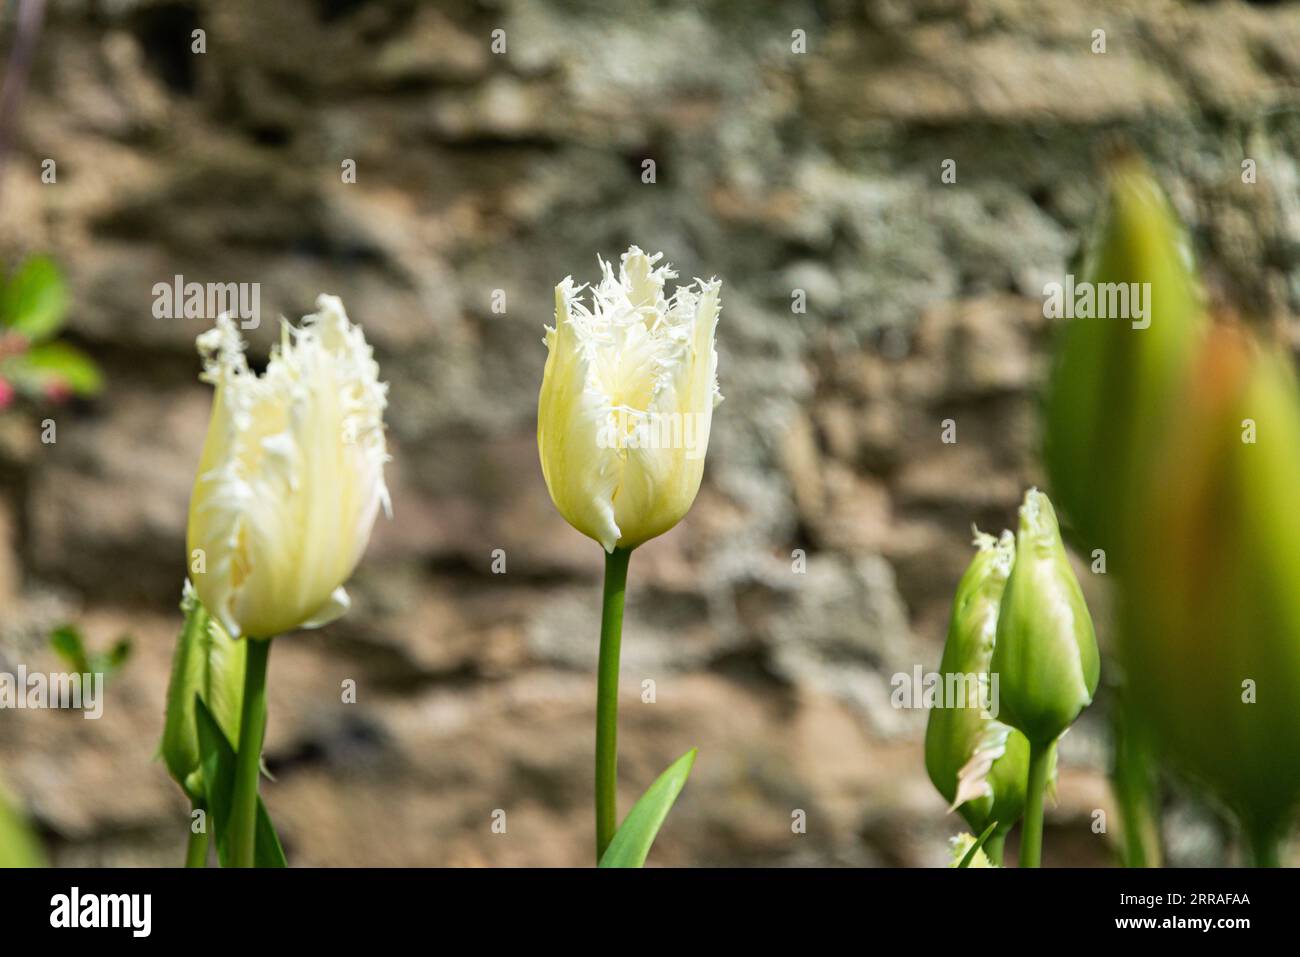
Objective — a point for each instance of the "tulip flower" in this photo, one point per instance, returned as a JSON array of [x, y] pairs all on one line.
[[288, 488], [1111, 387], [627, 401], [1211, 641], [623, 422], [976, 762], [291, 475], [1045, 653], [210, 664]]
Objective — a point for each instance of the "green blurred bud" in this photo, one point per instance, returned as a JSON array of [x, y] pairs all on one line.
[[1211, 637], [207, 662], [1112, 386], [1045, 654], [977, 763]]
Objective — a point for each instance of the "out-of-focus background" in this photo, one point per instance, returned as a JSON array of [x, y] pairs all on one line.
[[778, 171]]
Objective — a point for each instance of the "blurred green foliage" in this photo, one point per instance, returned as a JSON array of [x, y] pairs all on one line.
[[1176, 449], [68, 644], [33, 307], [18, 846]]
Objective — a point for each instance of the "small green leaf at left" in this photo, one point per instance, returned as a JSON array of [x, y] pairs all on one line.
[[57, 364], [34, 302], [68, 645]]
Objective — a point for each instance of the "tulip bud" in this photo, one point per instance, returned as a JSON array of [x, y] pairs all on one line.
[[1045, 654], [209, 663], [1211, 641], [976, 762], [291, 475], [1114, 379], [627, 401]]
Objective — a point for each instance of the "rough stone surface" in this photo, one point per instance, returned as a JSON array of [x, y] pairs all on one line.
[[833, 523]]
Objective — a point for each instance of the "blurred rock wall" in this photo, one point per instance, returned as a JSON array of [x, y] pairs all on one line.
[[475, 172]]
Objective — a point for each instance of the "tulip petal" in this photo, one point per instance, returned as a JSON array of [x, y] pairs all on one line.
[[337, 606]]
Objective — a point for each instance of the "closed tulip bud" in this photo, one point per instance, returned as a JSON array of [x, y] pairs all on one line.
[[1045, 653], [209, 663], [1212, 621], [976, 762], [1114, 379], [291, 475], [627, 401]]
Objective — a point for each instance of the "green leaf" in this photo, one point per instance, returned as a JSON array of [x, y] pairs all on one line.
[[35, 300], [218, 763], [67, 644], [267, 851], [58, 364], [217, 767], [632, 842], [115, 657], [975, 848]]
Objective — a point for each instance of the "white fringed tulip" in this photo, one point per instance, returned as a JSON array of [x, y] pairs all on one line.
[[627, 401], [291, 476], [622, 428]]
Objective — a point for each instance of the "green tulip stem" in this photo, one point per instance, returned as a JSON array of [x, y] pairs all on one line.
[[1264, 847], [1031, 835], [252, 729], [611, 637], [196, 851], [993, 847]]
